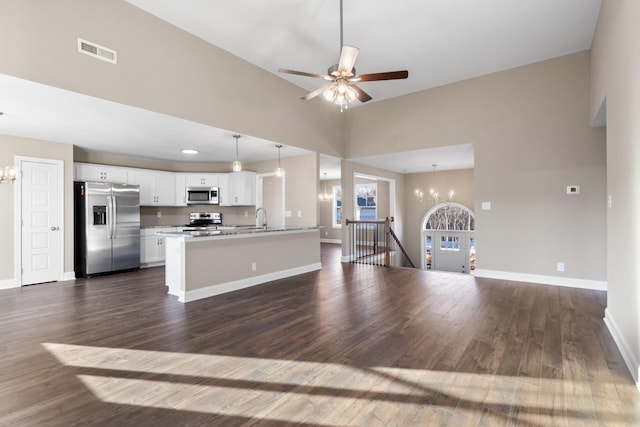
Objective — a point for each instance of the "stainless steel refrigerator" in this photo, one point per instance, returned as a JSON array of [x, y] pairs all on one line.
[[107, 227]]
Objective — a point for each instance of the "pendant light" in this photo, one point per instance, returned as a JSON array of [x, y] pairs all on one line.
[[279, 171], [237, 166]]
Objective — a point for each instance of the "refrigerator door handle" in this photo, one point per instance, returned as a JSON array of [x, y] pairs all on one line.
[[109, 217], [114, 225]]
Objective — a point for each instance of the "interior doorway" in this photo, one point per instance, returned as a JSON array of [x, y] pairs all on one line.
[[270, 195], [448, 240]]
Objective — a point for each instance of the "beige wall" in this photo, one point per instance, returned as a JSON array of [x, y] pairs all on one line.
[[615, 69], [459, 180], [13, 146], [531, 135], [160, 68]]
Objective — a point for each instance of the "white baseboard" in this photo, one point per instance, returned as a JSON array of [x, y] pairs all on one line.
[[69, 275], [595, 285], [222, 288], [8, 284], [628, 356], [152, 264], [338, 241]]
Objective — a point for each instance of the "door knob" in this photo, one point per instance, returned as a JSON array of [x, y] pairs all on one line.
[[55, 228]]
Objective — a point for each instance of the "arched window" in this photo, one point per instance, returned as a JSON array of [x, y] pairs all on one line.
[[449, 216]]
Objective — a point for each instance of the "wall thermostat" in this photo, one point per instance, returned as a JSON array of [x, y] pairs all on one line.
[[573, 189]]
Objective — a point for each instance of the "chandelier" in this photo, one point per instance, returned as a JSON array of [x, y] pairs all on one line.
[[433, 191], [326, 197]]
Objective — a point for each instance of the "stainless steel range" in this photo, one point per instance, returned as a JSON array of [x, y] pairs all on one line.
[[203, 221]]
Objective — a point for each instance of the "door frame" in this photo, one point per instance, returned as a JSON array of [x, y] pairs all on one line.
[[260, 196], [424, 231], [17, 215]]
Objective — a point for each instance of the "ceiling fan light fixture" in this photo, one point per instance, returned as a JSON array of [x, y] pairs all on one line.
[[330, 94]]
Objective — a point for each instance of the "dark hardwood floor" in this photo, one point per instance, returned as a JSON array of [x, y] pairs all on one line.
[[350, 345]]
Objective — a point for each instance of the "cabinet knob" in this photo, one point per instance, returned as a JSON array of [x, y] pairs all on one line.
[[55, 228]]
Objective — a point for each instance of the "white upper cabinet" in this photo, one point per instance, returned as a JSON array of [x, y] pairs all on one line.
[[99, 173], [181, 192], [241, 189], [156, 188], [201, 180]]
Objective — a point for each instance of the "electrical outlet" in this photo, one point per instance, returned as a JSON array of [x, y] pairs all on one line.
[[246, 213], [253, 266], [299, 214], [486, 206], [560, 267], [159, 214]]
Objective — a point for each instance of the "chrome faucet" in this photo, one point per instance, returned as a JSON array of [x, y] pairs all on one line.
[[264, 216]]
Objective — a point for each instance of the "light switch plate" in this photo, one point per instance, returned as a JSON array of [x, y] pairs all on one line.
[[287, 214], [486, 206], [573, 189]]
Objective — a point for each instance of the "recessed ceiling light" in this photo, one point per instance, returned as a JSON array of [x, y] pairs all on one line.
[[186, 151]]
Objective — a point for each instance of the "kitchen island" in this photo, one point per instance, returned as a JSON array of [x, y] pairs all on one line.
[[201, 264]]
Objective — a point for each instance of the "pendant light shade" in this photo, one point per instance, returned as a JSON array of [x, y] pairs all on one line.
[[279, 171], [237, 166]]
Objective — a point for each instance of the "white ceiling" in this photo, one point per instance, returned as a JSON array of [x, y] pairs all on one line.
[[437, 41]]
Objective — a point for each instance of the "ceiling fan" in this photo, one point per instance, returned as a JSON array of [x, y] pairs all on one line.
[[342, 77]]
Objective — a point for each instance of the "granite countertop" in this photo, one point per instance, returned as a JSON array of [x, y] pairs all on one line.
[[233, 231]]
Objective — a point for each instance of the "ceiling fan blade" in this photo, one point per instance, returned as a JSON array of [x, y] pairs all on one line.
[[362, 95], [304, 74], [348, 58], [317, 92], [389, 75]]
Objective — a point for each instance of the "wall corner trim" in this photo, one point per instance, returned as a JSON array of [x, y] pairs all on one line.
[[69, 275], [8, 284], [338, 241], [629, 358], [569, 282]]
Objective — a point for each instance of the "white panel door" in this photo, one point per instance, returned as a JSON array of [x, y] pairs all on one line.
[[41, 234], [451, 251]]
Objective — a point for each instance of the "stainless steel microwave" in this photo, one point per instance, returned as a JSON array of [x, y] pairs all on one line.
[[203, 195]]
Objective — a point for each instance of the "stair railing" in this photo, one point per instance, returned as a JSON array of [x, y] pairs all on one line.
[[373, 241]]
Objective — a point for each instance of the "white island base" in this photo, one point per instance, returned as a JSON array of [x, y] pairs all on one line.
[[201, 267]]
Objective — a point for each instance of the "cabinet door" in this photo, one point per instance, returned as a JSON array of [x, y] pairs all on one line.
[[100, 173], [165, 189], [147, 182], [223, 184], [181, 192], [202, 180], [151, 249], [242, 188]]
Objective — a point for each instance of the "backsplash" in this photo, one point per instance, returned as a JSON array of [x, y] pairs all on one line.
[[180, 215]]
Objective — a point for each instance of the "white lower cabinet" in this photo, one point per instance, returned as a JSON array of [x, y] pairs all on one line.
[[152, 246]]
